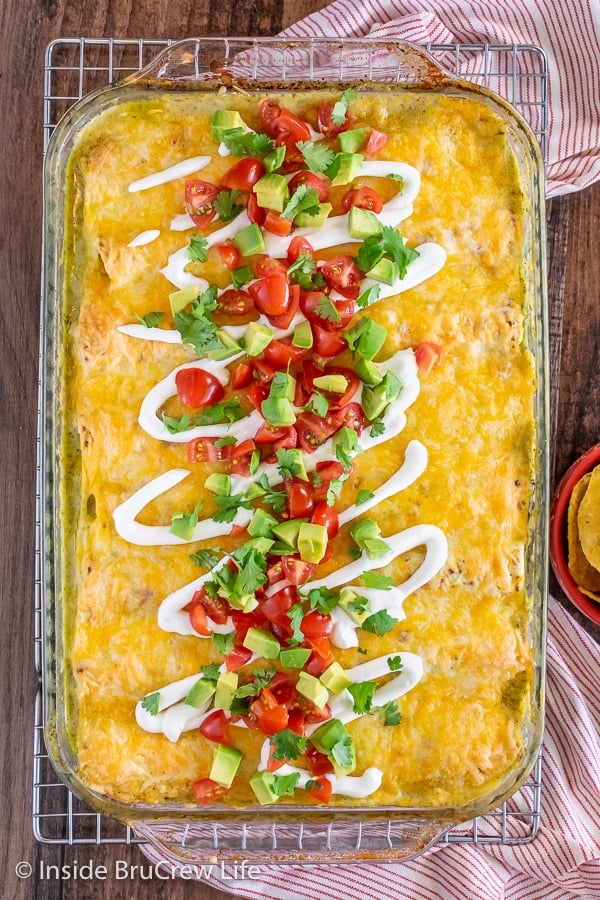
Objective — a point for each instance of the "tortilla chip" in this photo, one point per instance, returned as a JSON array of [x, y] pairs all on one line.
[[586, 576], [588, 520]]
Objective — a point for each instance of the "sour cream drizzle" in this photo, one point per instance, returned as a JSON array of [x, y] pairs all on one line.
[[175, 271], [171, 173], [145, 237]]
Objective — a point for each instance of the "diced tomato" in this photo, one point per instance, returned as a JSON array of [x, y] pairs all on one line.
[[363, 197], [275, 607], [321, 657], [199, 620], [287, 442], [240, 456], [197, 388], [275, 571], [280, 353], [330, 469], [243, 621], [270, 719], [327, 516], [427, 356], [325, 122], [314, 430], [326, 343], [300, 501], [271, 294], [241, 376], [312, 713], [343, 275], [352, 416], [304, 381], [256, 213], [277, 224], [229, 254], [297, 246], [215, 608], [244, 174], [318, 763], [376, 142], [321, 790], [263, 372], [199, 201], [268, 113], [268, 433], [284, 321], [235, 303], [202, 450], [289, 129], [215, 727], [338, 401], [241, 449], [207, 791], [311, 181], [316, 625], [297, 571], [296, 721], [257, 393], [274, 764], [238, 657], [266, 265], [236, 530]]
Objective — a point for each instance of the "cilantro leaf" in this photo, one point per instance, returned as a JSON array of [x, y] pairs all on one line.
[[283, 785], [151, 703], [226, 441], [206, 558], [247, 143], [395, 177], [274, 159], [394, 663], [362, 694], [275, 499], [205, 302], [369, 253], [377, 428], [379, 623], [327, 310], [345, 443], [317, 157], [227, 507], [390, 712], [177, 424], [338, 114], [334, 490], [343, 751], [295, 614], [288, 745], [359, 605], [369, 296], [392, 244], [224, 643], [304, 199], [303, 272], [251, 568], [198, 249], [227, 206], [241, 276], [288, 465], [211, 671], [364, 495], [375, 580], [151, 319], [228, 411], [260, 679], [322, 599], [319, 404], [198, 331], [183, 524]]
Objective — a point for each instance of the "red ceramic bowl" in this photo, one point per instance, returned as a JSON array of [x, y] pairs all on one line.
[[558, 533]]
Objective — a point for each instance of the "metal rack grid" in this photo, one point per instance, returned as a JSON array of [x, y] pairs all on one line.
[[73, 68]]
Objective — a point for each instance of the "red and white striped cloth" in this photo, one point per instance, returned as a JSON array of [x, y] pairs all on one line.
[[568, 31], [562, 863]]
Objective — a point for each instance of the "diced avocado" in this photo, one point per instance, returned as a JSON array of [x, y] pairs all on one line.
[[278, 411], [305, 220], [261, 524], [295, 461], [364, 529], [279, 549], [288, 532], [376, 548], [261, 544], [225, 120], [218, 484], [367, 337], [257, 337], [335, 679], [247, 602], [226, 688], [254, 491], [336, 384], [351, 141], [262, 642], [312, 542], [351, 604], [347, 167], [362, 223], [303, 336], [272, 191], [283, 386], [294, 659], [375, 400], [274, 159], [201, 691], [230, 346], [327, 735], [178, 300], [262, 783], [368, 371], [339, 770], [385, 271], [311, 688], [249, 240], [225, 764]]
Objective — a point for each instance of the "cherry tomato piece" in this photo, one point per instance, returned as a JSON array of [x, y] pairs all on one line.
[[197, 388], [277, 224], [266, 265], [285, 320], [268, 113], [300, 501], [256, 213], [326, 343], [352, 416], [241, 376], [316, 625], [343, 275], [313, 430], [296, 570], [318, 763], [275, 607], [199, 620], [364, 198], [289, 129], [339, 400], [229, 254], [257, 394], [199, 201], [311, 181], [238, 657], [280, 353], [296, 721], [327, 516], [321, 790], [202, 450], [235, 303], [376, 142], [215, 608], [215, 727], [297, 246], [268, 434], [271, 294], [427, 356], [325, 122], [244, 174], [207, 791]]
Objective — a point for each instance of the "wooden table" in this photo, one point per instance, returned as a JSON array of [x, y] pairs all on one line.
[[27, 26]]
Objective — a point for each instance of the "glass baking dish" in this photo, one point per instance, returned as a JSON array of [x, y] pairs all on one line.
[[305, 833]]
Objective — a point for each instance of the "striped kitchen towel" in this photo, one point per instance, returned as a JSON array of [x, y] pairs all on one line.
[[568, 31], [562, 863]]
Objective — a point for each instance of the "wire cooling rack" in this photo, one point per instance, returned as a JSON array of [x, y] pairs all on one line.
[[73, 68]]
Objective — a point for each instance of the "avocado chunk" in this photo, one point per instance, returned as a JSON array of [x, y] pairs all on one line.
[[201, 691], [376, 399], [226, 687], [305, 220], [312, 542], [367, 337], [354, 605], [225, 764], [278, 411], [295, 658], [288, 532], [351, 141], [335, 679], [262, 783], [294, 461], [385, 271], [261, 524], [229, 346], [346, 167], [283, 386], [257, 337], [327, 735], [335, 384], [262, 642], [362, 223], [311, 688], [262, 544], [303, 336], [272, 191], [368, 371], [249, 240], [218, 484], [178, 300], [225, 120]]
